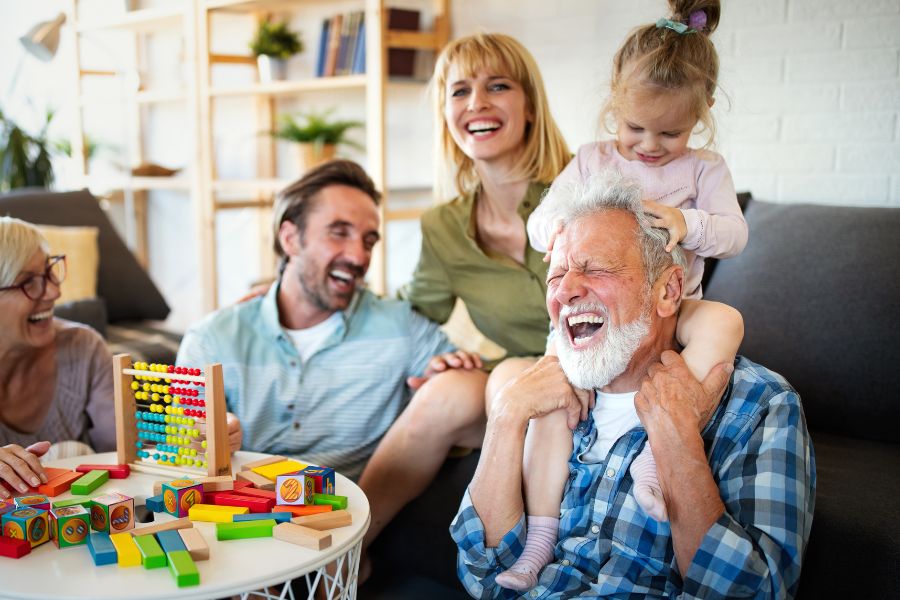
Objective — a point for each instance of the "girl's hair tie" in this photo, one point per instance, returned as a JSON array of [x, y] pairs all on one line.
[[695, 23], [697, 20]]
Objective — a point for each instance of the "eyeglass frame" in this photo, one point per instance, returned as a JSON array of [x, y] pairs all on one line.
[[52, 261]]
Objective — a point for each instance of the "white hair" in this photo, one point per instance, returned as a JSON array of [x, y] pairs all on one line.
[[610, 190], [19, 240]]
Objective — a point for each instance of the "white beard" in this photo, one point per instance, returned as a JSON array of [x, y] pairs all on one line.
[[595, 367]]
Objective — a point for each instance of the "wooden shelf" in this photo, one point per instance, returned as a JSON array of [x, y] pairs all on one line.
[[138, 183], [147, 19], [249, 186], [247, 5], [143, 97], [278, 88]]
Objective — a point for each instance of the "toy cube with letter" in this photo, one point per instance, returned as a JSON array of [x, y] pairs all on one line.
[[27, 524], [7, 506], [323, 478], [33, 501], [294, 489], [112, 513], [69, 526], [180, 495]]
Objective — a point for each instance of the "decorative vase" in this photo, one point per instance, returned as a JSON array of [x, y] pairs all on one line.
[[271, 68], [312, 155]]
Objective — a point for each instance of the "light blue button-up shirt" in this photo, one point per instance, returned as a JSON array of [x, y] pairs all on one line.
[[332, 409]]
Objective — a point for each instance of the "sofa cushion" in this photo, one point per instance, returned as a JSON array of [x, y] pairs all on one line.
[[90, 311], [79, 244], [128, 291], [818, 289]]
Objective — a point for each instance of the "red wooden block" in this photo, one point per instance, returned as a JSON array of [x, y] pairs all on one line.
[[14, 548], [256, 493], [115, 471], [301, 510], [58, 485], [256, 505], [240, 484]]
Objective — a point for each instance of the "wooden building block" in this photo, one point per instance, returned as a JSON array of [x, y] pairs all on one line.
[[59, 485], [271, 472], [240, 484], [126, 550], [14, 548], [336, 502], [183, 569], [84, 501], [212, 513], [326, 520], [195, 543], [244, 530], [255, 505], [256, 492], [102, 549], [217, 484], [152, 554], [156, 503], [263, 462], [89, 482], [171, 540], [280, 517], [302, 536], [257, 480], [301, 510], [182, 523], [115, 471]]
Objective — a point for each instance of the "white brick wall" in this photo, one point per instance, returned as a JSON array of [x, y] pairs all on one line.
[[810, 88]]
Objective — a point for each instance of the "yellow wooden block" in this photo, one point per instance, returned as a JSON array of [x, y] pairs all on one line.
[[271, 472], [212, 513], [127, 551]]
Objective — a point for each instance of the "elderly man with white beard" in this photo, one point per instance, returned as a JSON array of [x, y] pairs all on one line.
[[733, 453]]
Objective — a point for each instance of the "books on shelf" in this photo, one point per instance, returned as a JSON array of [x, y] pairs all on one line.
[[342, 45], [402, 61]]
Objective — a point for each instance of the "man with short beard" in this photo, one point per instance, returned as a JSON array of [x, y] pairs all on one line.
[[736, 468], [317, 367]]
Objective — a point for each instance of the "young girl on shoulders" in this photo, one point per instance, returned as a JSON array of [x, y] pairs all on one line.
[[663, 84]]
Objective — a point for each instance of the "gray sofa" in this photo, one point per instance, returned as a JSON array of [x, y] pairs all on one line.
[[820, 294], [128, 302]]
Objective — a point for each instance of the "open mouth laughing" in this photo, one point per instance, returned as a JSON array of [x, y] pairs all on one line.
[[483, 127], [584, 325], [40, 317]]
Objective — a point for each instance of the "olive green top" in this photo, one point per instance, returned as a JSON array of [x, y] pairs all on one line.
[[505, 298]]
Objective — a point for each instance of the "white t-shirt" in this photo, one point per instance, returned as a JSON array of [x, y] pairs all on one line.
[[308, 340], [614, 415]]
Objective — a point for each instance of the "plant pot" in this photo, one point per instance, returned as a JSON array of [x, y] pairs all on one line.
[[313, 155], [271, 68]]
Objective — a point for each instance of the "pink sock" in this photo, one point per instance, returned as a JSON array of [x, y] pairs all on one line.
[[646, 488], [540, 540]]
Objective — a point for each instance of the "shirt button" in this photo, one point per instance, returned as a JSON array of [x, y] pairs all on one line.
[[296, 425], [293, 363], [535, 593], [595, 529], [610, 473], [566, 563], [290, 407]]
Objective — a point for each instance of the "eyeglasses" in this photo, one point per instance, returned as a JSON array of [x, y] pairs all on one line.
[[35, 286]]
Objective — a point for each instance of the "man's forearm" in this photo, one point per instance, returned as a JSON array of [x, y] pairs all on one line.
[[496, 488]]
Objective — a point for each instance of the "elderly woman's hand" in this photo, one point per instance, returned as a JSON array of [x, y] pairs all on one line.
[[20, 467]]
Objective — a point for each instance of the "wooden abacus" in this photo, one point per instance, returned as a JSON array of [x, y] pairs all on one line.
[[160, 410]]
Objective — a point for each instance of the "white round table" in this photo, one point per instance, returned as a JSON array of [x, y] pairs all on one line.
[[237, 567]]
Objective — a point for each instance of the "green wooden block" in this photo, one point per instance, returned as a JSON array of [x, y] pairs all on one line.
[[152, 554], [89, 482], [183, 569], [338, 502], [84, 501], [244, 529]]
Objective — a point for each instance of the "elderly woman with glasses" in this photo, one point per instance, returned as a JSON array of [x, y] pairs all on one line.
[[55, 376]]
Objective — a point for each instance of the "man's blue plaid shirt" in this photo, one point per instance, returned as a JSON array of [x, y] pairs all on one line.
[[762, 460]]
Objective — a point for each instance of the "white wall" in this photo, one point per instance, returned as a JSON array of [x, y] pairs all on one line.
[[808, 110]]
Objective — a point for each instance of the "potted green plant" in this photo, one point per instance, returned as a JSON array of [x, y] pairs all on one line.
[[317, 134], [273, 44], [24, 158]]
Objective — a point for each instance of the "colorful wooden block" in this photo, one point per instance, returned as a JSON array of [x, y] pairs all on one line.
[[302, 536], [326, 520], [30, 524], [115, 471], [33, 501], [102, 550], [279, 517], [7, 505], [112, 512], [180, 495], [255, 505], [89, 482], [14, 548], [171, 540], [336, 502], [219, 483], [156, 504], [323, 478], [182, 523], [256, 480], [269, 460], [257, 493], [240, 484], [301, 510], [70, 526], [152, 556], [195, 543], [126, 550], [84, 501], [244, 530], [183, 569], [271, 472], [212, 513], [294, 489], [59, 485]]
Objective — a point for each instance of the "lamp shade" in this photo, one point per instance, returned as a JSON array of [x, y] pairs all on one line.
[[42, 40]]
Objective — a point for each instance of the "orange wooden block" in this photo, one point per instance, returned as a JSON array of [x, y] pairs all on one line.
[[59, 485], [326, 520], [301, 510]]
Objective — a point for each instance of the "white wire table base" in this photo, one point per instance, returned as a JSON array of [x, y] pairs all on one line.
[[338, 580]]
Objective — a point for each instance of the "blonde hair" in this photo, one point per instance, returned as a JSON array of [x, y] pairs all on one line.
[[545, 152], [19, 241], [655, 60]]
